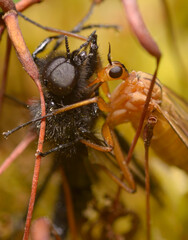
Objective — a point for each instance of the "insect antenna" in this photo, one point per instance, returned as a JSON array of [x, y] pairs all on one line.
[[67, 47], [109, 55]]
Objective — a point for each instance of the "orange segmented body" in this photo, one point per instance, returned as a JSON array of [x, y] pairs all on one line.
[[128, 99], [170, 135]]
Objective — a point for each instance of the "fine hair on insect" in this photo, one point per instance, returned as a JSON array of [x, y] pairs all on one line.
[[65, 78], [74, 107]]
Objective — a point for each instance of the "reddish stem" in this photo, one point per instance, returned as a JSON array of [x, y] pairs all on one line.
[[69, 206], [142, 118], [11, 22], [20, 6], [24, 4], [41, 229], [138, 27], [147, 186], [5, 72], [7, 5], [17, 151]]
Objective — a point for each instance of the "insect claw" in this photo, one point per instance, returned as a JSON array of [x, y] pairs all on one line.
[[110, 148], [6, 134], [38, 153], [133, 190]]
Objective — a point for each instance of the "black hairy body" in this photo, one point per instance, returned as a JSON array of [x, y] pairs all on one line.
[[65, 130], [69, 126]]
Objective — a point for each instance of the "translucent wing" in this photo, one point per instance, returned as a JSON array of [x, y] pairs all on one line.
[[108, 161], [175, 111]]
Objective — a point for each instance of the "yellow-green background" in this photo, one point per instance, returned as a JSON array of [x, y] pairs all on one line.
[[169, 222]]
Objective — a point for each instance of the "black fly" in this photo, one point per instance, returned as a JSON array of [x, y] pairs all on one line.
[[65, 78]]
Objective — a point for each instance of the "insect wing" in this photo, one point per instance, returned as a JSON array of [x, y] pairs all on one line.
[[102, 159], [175, 111]]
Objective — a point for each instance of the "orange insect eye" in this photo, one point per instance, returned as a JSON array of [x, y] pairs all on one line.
[[116, 72]]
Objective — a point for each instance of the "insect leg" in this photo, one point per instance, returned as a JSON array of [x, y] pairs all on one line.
[[116, 179], [86, 142], [80, 26], [51, 29], [116, 27], [60, 147], [121, 161], [96, 146], [17, 101], [107, 134], [111, 140], [77, 28], [61, 37], [43, 45], [147, 136], [105, 89], [57, 111]]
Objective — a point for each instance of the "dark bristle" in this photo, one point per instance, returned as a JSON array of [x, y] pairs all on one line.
[[109, 55], [67, 47]]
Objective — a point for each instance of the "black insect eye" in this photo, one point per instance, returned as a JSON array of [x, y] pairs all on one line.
[[60, 76], [115, 72]]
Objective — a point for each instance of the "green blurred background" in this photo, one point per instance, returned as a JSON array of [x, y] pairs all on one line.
[[169, 221]]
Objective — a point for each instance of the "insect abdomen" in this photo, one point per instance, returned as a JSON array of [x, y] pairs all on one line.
[[168, 145]]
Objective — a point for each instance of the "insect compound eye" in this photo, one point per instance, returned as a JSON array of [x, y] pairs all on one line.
[[116, 72], [60, 76]]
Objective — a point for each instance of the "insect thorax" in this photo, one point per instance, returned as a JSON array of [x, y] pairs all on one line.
[[67, 126]]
